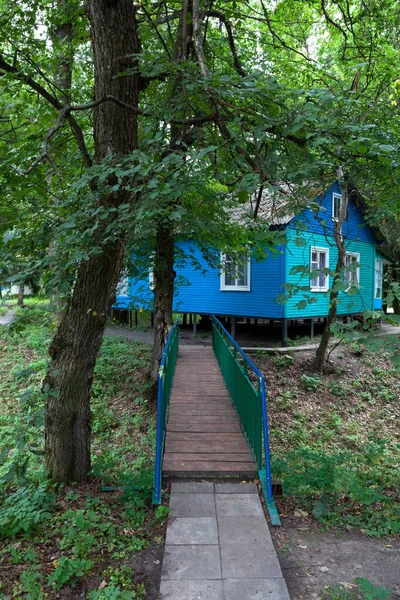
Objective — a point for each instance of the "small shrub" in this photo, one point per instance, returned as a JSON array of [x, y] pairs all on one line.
[[25, 509], [311, 382], [284, 360], [338, 389], [68, 570]]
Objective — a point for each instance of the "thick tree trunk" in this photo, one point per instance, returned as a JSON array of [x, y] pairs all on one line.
[[164, 276], [333, 296], [21, 293], [76, 344]]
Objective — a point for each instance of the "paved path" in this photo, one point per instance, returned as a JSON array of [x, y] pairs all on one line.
[[218, 545], [204, 436], [7, 318]]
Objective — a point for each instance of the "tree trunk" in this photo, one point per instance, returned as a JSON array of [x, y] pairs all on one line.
[[333, 296], [164, 276], [76, 344], [21, 292], [395, 278]]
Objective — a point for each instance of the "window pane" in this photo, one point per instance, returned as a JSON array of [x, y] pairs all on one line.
[[236, 270], [337, 202], [229, 269], [378, 278]]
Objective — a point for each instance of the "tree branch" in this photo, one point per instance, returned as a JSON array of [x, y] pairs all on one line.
[[219, 15], [198, 43], [78, 133]]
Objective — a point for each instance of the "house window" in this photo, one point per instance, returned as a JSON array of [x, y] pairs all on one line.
[[319, 259], [352, 269], [336, 206], [235, 274], [378, 278]]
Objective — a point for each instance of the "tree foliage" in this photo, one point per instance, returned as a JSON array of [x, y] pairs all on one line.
[[190, 110]]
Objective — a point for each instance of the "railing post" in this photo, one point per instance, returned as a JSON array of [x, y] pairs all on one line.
[[159, 438], [165, 375], [249, 402]]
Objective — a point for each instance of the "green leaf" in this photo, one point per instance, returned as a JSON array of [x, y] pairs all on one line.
[[302, 304], [243, 197]]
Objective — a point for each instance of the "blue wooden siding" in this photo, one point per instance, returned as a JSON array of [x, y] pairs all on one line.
[[204, 294], [354, 227], [197, 290], [201, 293], [348, 303]]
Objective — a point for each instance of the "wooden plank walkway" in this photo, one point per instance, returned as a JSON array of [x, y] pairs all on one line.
[[203, 432]]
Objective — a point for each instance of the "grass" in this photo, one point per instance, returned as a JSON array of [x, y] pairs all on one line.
[[362, 589], [76, 541], [335, 439]]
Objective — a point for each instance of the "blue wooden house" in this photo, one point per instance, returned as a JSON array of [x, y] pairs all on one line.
[[243, 287]]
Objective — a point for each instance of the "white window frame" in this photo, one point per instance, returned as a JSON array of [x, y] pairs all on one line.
[[233, 288], [379, 277], [352, 273], [319, 250], [339, 197]]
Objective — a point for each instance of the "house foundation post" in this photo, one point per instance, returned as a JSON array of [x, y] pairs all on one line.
[[130, 318], [233, 327], [194, 323], [284, 332], [184, 319], [312, 327], [136, 318]]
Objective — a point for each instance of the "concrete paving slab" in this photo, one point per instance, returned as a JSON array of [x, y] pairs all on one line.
[[192, 487], [236, 488], [238, 505], [191, 563], [255, 589], [192, 590], [244, 530], [192, 530], [249, 562], [7, 318], [192, 505]]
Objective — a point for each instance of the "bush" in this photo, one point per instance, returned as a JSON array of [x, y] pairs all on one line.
[[25, 509]]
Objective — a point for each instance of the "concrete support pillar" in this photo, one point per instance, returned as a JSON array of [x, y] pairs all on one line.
[[194, 323]]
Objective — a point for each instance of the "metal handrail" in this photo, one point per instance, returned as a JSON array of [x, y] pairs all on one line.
[[164, 386], [252, 431]]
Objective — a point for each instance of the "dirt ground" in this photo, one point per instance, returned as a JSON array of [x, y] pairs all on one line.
[[312, 558]]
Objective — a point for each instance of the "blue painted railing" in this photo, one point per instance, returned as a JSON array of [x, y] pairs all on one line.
[[250, 404], [164, 386]]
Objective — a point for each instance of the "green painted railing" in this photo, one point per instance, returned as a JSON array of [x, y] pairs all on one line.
[[246, 387], [164, 386]]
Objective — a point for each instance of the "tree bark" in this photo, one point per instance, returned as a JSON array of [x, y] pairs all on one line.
[[21, 292], [395, 273], [333, 296], [76, 344], [164, 276]]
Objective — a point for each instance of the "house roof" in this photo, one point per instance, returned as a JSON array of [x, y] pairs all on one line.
[[280, 204]]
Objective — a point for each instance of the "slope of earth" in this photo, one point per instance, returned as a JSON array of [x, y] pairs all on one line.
[[98, 540], [335, 444]]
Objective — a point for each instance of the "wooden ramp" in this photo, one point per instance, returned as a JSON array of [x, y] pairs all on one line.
[[203, 434]]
